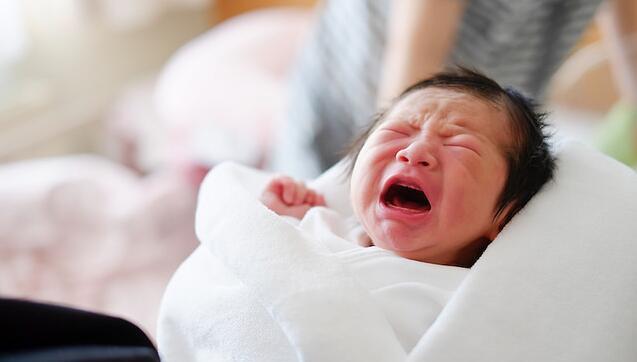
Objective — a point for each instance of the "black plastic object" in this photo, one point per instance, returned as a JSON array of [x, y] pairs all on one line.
[[31, 331]]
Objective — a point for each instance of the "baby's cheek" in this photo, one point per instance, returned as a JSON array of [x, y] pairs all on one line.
[[458, 206], [357, 196]]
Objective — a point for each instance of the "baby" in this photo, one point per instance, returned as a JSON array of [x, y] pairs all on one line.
[[440, 172]]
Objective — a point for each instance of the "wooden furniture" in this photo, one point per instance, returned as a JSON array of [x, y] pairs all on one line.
[[225, 9]]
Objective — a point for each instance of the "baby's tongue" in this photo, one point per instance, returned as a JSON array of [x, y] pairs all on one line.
[[405, 203], [408, 199]]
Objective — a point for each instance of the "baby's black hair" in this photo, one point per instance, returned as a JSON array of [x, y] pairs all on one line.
[[529, 160]]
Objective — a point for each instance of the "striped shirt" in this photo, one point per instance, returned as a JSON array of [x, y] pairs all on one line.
[[333, 89]]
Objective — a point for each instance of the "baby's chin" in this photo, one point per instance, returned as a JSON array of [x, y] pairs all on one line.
[[399, 245], [416, 255], [425, 257], [417, 250]]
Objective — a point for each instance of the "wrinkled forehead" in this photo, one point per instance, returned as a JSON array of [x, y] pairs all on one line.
[[450, 106]]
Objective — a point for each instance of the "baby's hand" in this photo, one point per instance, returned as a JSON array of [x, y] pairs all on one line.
[[290, 197]]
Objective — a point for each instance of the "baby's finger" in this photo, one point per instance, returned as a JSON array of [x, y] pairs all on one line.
[[320, 200], [278, 186], [314, 198], [299, 195], [310, 197], [273, 186], [288, 190]]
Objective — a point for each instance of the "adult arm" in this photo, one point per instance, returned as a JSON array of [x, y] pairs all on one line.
[[421, 34], [618, 23]]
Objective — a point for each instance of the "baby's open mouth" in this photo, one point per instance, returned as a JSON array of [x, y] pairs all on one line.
[[406, 197]]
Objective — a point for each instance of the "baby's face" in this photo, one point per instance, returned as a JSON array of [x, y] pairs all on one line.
[[427, 180]]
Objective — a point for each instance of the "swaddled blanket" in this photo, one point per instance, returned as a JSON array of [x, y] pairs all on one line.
[[548, 288], [294, 283]]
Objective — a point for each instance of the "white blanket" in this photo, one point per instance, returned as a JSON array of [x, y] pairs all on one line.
[[558, 284]]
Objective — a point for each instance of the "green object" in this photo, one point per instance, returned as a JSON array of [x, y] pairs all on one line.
[[618, 135]]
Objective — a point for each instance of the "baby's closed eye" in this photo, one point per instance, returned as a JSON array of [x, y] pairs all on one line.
[[466, 142], [400, 128], [395, 131]]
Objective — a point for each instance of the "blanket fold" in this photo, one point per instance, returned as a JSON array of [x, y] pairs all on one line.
[[292, 277]]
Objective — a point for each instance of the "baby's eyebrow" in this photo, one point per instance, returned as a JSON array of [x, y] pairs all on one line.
[[464, 124], [453, 129], [415, 121]]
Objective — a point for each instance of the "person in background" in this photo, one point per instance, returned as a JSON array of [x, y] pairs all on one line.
[[361, 53]]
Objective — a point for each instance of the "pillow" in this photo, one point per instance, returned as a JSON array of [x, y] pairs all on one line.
[[558, 283]]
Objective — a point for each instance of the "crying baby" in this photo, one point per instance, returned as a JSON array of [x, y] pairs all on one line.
[[440, 172]]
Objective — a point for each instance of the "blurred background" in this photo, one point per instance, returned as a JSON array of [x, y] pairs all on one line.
[[111, 112]]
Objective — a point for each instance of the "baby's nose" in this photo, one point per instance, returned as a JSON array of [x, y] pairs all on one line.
[[418, 153]]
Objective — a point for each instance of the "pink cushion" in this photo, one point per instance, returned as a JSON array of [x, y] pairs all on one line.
[[221, 94], [84, 231]]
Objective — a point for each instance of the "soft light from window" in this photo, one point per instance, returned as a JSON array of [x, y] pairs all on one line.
[[12, 33]]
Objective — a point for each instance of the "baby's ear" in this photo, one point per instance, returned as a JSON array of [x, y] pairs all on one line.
[[493, 232], [499, 222]]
